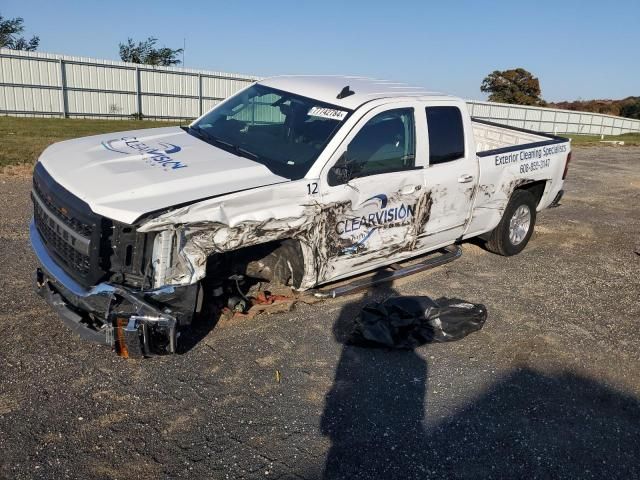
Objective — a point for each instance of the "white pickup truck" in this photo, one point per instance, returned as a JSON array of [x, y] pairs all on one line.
[[300, 180]]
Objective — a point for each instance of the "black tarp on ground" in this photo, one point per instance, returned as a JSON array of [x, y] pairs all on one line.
[[408, 322]]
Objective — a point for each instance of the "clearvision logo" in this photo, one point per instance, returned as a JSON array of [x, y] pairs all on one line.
[[160, 155], [361, 227]]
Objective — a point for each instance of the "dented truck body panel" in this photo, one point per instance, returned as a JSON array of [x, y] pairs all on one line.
[[193, 196]]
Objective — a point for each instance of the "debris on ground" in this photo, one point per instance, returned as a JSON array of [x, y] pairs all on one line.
[[410, 321], [267, 302]]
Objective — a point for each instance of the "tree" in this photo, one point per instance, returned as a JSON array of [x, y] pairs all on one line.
[[10, 28], [631, 109], [145, 52], [512, 86]]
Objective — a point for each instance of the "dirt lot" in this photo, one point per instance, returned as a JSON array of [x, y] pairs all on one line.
[[549, 388]]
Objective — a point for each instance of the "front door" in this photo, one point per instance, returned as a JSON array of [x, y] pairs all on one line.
[[373, 193]]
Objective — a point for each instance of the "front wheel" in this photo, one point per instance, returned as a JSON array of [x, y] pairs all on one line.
[[516, 226]]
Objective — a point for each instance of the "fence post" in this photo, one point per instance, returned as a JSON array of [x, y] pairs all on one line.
[[580, 124], [138, 94], [63, 90], [199, 94]]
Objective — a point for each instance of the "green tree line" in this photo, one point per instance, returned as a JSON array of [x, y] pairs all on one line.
[[519, 87]]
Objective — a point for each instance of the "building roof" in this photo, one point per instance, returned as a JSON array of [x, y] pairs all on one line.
[[327, 87]]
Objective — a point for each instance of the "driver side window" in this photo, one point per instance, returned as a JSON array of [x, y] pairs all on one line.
[[386, 143]]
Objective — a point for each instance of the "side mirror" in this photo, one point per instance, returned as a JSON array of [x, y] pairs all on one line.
[[343, 171]]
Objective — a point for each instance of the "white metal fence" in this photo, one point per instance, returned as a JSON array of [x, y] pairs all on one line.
[[42, 84], [553, 120]]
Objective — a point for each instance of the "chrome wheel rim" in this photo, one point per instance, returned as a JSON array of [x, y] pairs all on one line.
[[519, 224]]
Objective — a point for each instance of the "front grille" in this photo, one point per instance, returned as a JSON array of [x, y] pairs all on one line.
[[76, 225], [58, 240], [71, 231]]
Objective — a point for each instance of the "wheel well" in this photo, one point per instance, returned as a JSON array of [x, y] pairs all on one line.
[[535, 188], [279, 261]]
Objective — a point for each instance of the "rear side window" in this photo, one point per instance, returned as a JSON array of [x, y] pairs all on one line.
[[446, 134]]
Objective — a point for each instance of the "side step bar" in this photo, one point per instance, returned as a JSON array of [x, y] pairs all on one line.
[[448, 254]]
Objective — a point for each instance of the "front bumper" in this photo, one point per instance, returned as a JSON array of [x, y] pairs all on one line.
[[111, 314]]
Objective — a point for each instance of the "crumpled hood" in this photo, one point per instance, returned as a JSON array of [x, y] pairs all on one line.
[[127, 174]]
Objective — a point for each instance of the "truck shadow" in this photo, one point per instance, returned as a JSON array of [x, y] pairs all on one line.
[[374, 411], [528, 425], [204, 323]]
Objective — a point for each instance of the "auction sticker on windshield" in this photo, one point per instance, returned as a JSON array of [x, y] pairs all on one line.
[[327, 113]]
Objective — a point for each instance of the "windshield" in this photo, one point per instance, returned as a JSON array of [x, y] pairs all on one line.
[[283, 131]]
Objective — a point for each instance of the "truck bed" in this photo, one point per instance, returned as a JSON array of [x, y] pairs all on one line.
[[510, 157], [489, 136]]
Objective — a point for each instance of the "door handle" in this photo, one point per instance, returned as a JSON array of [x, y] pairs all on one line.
[[465, 178], [407, 189]]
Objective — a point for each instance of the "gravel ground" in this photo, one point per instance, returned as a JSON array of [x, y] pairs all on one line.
[[549, 388]]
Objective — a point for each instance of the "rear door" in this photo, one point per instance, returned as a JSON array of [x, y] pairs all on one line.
[[452, 173], [373, 192]]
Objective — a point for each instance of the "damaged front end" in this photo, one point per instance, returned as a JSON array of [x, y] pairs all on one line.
[[136, 287], [135, 322]]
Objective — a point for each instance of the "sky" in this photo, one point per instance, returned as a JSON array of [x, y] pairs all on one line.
[[578, 49]]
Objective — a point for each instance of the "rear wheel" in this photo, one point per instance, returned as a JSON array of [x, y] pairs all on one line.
[[516, 226]]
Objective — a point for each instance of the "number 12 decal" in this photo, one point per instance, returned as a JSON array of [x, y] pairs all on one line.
[[312, 188]]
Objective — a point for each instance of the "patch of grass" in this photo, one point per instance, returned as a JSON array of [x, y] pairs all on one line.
[[22, 140], [629, 139]]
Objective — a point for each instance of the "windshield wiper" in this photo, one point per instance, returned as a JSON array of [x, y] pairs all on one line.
[[230, 147], [204, 135], [247, 153]]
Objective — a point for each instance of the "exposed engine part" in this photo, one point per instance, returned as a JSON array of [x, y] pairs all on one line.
[[238, 304], [237, 279]]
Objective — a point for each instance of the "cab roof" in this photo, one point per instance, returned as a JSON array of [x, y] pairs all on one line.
[[327, 88]]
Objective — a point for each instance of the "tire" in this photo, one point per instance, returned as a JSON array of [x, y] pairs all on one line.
[[508, 241]]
